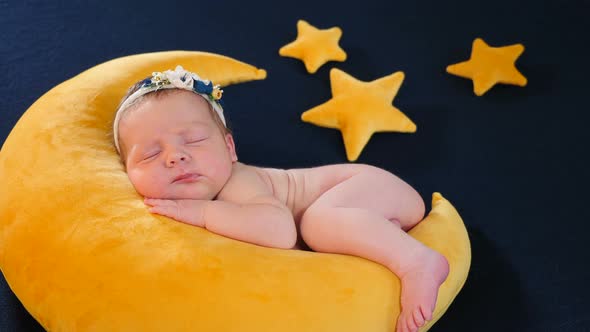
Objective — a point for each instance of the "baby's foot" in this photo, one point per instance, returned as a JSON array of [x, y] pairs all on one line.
[[419, 291]]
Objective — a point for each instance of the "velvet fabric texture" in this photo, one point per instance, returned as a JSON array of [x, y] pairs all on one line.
[[359, 109], [489, 66], [314, 46], [82, 253]]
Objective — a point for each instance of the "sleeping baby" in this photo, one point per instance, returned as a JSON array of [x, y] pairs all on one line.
[[171, 134]]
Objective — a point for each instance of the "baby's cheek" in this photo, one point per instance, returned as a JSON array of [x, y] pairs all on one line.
[[222, 168], [143, 182]]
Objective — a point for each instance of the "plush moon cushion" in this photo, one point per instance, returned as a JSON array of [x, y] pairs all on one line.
[[82, 253]]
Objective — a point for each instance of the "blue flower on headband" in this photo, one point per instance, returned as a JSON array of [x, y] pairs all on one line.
[[182, 79], [145, 82], [201, 87]]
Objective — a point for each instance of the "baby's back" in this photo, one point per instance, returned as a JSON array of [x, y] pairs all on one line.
[[299, 188]]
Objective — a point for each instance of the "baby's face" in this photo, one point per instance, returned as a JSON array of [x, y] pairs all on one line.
[[174, 149]]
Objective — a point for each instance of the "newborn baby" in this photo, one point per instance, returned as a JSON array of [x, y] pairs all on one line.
[[178, 153]]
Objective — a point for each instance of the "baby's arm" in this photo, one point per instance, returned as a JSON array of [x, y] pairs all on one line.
[[245, 210], [261, 220]]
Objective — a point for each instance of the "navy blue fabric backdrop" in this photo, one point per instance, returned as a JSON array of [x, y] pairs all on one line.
[[512, 161]]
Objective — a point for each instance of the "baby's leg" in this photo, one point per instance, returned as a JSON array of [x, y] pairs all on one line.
[[354, 218]]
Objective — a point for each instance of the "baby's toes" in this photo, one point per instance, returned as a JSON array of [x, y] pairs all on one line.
[[410, 322], [407, 322], [426, 313], [418, 318], [402, 326]]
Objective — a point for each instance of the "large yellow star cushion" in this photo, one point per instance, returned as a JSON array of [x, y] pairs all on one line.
[[490, 65], [359, 109], [82, 253], [314, 46]]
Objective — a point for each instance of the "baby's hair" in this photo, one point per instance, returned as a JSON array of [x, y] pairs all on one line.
[[161, 94]]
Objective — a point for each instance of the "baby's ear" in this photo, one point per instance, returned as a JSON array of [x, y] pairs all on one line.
[[231, 147]]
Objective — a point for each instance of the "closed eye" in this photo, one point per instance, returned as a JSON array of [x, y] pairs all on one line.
[[193, 141], [151, 155]]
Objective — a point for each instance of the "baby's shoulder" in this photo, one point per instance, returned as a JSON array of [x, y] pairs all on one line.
[[245, 182]]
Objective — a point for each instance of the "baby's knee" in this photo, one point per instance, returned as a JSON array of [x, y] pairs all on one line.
[[374, 173], [369, 169], [419, 210], [414, 211]]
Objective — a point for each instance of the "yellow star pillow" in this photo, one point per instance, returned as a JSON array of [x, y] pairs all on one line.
[[314, 46], [359, 109], [490, 65]]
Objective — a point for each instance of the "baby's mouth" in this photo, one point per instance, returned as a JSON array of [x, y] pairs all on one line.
[[186, 178]]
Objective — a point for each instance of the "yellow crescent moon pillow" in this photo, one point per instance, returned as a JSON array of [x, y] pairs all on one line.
[[82, 253]]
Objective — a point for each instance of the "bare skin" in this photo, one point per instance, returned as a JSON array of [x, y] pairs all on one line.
[[349, 209]]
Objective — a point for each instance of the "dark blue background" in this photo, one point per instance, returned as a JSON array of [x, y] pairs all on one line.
[[513, 162]]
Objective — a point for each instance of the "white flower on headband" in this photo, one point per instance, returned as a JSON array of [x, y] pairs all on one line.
[[182, 79], [178, 78], [159, 79]]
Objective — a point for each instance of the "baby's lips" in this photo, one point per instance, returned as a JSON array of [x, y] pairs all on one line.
[[186, 177]]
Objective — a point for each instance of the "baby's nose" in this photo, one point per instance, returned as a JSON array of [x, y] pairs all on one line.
[[175, 158]]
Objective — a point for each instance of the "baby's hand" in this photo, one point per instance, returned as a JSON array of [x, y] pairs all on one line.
[[189, 211]]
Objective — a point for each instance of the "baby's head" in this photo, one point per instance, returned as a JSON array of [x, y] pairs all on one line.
[[171, 135]]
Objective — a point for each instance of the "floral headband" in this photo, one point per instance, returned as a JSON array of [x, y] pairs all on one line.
[[177, 79]]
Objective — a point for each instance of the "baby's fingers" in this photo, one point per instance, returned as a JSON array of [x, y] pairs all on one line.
[[168, 211], [159, 202]]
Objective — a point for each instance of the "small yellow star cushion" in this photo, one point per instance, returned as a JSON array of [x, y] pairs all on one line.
[[314, 46], [358, 109], [490, 65]]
